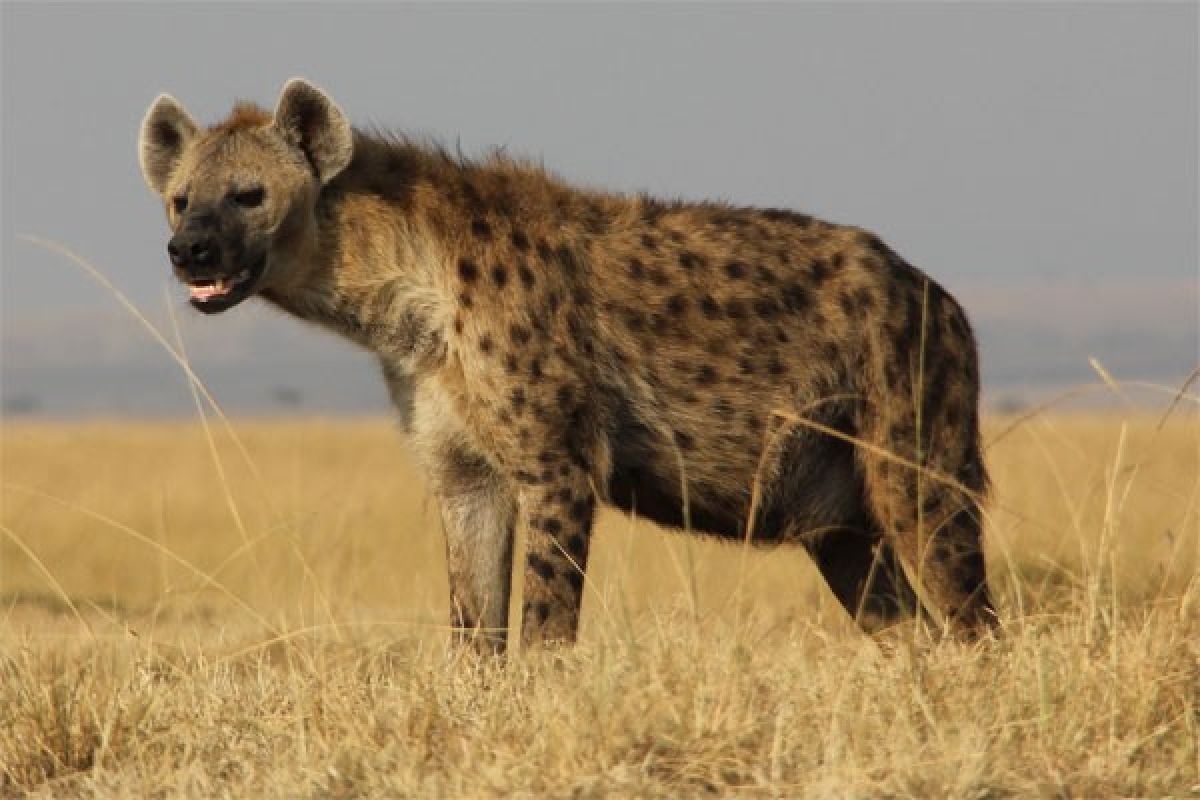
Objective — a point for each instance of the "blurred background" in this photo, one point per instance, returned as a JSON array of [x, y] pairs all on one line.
[[1039, 161]]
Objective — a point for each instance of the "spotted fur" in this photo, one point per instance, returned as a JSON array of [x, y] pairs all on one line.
[[737, 372]]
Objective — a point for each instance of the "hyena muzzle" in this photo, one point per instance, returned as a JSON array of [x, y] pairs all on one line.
[[756, 375]]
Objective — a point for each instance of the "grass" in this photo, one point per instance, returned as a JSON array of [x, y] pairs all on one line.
[[180, 619]]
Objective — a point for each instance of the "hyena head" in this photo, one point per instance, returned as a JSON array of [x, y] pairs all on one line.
[[241, 196]]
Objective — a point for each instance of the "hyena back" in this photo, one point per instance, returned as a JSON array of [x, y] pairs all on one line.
[[751, 374]]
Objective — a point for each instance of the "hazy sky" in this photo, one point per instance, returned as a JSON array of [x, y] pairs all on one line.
[[1040, 160]]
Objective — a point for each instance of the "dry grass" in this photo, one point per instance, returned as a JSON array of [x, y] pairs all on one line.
[[174, 622]]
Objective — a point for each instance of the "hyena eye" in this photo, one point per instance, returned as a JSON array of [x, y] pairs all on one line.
[[179, 203], [250, 198]]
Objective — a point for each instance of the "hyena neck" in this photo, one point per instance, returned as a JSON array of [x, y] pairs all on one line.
[[393, 228], [377, 261]]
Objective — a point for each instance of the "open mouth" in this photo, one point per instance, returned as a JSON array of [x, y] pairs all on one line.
[[211, 295]]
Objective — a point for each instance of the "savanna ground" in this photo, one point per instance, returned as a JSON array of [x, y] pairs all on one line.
[[184, 615]]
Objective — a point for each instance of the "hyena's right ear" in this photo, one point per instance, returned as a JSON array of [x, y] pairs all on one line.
[[166, 131], [310, 120]]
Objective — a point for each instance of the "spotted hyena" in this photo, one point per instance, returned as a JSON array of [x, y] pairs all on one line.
[[753, 374]]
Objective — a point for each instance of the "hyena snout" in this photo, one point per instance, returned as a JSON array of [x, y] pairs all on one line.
[[190, 250], [217, 263]]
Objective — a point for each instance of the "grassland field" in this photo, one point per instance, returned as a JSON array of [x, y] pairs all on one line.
[[261, 611]]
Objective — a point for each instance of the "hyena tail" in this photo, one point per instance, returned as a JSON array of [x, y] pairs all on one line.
[[926, 482]]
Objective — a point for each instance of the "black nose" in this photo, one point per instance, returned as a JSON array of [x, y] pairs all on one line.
[[192, 250]]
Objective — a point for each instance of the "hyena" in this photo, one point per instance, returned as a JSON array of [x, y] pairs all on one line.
[[756, 375]]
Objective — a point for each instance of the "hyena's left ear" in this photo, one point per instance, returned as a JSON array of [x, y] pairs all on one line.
[[166, 131], [310, 120]]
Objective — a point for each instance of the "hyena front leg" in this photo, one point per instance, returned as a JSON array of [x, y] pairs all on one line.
[[556, 506], [479, 512], [479, 515]]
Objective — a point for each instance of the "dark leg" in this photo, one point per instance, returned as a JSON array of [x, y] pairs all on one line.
[[865, 577]]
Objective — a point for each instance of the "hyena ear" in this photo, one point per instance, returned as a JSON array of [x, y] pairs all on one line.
[[166, 131], [310, 120]]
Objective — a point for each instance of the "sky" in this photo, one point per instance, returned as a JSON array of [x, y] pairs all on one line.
[[1040, 161]]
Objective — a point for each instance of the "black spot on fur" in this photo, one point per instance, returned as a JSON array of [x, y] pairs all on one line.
[[735, 309], [552, 526], [765, 275], [518, 399], [684, 440], [520, 241], [467, 270], [564, 396], [499, 277], [689, 260], [710, 307], [575, 578], [485, 344], [535, 368], [706, 375], [676, 304], [510, 364], [849, 307], [838, 260], [481, 228], [765, 308], [635, 320], [566, 259], [543, 568], [863, 298], [581, 510], [649, 242], [796, 298], [541, 610], [776, 367], [520, 335], [526, 276], [577, 546], [820, 271], [746, 365], [735, 270], [636, 269]]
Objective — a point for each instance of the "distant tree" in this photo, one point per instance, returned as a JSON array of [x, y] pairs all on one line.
[[19, 404], [1010, 404], [287, 397]]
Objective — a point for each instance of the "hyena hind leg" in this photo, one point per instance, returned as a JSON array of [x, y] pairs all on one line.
[[937, 533]]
